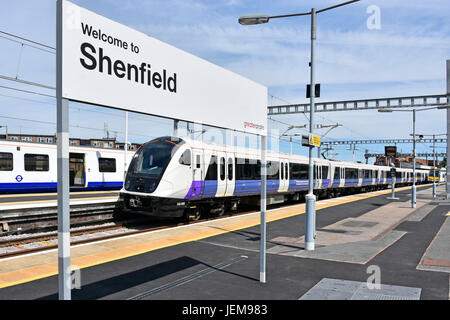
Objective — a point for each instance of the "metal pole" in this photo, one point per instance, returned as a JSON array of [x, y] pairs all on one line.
[[447, 184], [434, 166], [62, 134], [393, 187], [413, 196], [175, 128], [125, 164], [290, 149], [310, 197], [262, 265]]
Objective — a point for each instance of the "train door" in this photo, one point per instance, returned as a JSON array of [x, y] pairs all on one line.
[[342, 184], [197, 171], [318, 176], [221, 176], [284, 176], [230, 174], [77, 171]]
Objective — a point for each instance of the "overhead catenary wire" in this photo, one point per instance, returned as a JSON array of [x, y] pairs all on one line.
[[28, 40]]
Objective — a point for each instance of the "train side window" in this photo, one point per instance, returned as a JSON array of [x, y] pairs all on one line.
[[106, 165], [337, 172], [282, 172], [36, 162], [257, 170], [351, 173], [6, 161], [286, 171], [230, 169], [222, 168], [211, 174], [185, 158], [197, 161], [324, 172]]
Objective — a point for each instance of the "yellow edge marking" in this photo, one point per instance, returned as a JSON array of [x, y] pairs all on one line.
[[55, 200], [188, 238], [54, 194], [448, 214]]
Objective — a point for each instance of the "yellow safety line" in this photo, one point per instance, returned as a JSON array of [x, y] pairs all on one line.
[[187, 238]]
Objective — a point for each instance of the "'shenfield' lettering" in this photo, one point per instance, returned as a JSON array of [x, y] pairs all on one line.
[[140, 74]]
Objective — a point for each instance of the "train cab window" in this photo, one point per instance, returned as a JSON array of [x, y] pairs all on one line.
[[6, 161], [222, 168], [185, 158], [337, 173], [36, 162], [211, 174], [325, 172], [106, 165], [230, 169]]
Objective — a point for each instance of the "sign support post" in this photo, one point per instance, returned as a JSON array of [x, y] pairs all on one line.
[[262, 267], [447, 184], [62, 117]]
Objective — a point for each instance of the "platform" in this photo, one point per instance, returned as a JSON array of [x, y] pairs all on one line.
[[219, 259]]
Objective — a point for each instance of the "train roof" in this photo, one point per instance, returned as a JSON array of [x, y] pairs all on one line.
[[252, 153]]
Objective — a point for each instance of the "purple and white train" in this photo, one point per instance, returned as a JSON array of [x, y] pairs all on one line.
[[174, 177]]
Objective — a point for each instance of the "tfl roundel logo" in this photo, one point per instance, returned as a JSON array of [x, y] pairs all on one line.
[[19, 178]]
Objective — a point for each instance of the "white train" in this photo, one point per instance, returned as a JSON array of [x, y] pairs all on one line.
[[32, 167], [173, 177]]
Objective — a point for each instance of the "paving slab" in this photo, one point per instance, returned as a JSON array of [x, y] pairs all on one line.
[[336, 289], [438, 253]]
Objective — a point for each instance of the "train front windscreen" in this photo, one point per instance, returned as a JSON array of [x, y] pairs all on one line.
[[149, 163], [434, 175]]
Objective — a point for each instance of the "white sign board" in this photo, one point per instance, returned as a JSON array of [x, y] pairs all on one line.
[[109, 64]]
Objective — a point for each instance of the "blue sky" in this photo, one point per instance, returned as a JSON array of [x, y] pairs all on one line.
[[406, 56]]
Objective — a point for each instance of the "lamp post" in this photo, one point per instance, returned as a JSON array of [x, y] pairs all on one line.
[[413, 189], [310, 197]]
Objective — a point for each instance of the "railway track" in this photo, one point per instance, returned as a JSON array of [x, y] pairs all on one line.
[[38, 220], [53, 236]]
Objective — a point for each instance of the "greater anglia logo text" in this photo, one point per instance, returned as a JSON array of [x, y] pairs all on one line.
[[253, 125]]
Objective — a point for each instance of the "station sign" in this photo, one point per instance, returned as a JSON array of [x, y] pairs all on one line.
[[108, 64], [390, 151], [310, 140]]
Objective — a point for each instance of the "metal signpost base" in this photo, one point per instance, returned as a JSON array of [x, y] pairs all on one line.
[[393, 191]]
